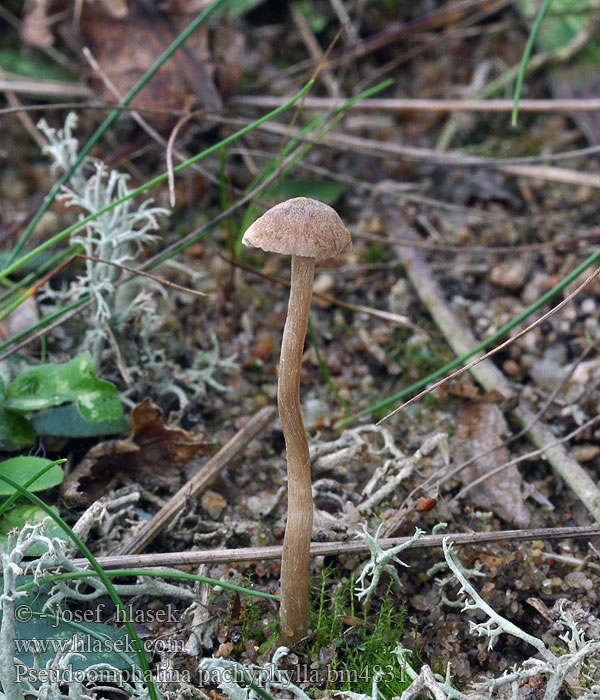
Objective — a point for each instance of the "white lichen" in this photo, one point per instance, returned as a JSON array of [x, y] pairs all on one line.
[[236, 680], [116, 236], [576, 665], [380, 562], [55, 679]]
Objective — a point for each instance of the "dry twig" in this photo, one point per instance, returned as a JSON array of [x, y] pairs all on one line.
[[398, 319], [450, 474], [486, 373], [203, 478], [385, 104], [334, 548]]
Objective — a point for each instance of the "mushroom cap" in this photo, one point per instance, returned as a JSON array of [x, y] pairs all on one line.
[[300, 226]]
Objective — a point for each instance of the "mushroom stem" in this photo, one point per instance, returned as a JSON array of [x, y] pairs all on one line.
[[296, 543]]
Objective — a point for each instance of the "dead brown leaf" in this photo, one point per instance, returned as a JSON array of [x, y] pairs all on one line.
[[482, 426], [229, 47], [126, 46], [154, 455], [34, 28]]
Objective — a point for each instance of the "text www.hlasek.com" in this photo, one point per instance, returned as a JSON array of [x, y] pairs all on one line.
[[87, 644]]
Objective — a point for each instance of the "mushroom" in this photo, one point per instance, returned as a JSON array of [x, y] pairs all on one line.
[[306, 229]]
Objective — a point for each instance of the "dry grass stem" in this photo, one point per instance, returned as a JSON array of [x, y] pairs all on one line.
[[487, 374], [194, 558]]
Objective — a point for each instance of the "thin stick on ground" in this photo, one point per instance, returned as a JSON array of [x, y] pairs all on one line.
[[397, 319], [334, 548], [375, 104], [529, 455], [384, 104], [170, 147], [494, 351], [203, 478], [120, 266], [380, 149], [158, 258], [314, 49], [24, 118], [150, 130], [439, 479], [461, 340]]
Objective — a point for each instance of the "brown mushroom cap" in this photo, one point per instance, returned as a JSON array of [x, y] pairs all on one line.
[[300, 226]]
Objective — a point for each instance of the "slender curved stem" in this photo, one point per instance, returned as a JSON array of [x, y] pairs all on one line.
[[296, 543]]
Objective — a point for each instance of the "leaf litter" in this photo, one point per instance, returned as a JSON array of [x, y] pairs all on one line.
[[367, 359]]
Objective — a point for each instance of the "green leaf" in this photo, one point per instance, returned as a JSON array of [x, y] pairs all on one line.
[[22, 469], [565, 19], [99, 643], [31, 66], [15, 431], [32, 265], [76, 381], [66, 421], [327, 191], [44, 631]]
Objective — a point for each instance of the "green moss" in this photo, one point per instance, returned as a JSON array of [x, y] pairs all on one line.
[[257, 623], [417, 355], [378, 253], [360, 640]]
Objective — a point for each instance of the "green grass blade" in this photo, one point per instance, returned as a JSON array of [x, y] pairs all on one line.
[[526, 55], [151, 573], [43, 322], [327, 122], [33, 277], [110, 589], [221, 145], [150, 184], [244, 677], [422, 383], [11, 499]]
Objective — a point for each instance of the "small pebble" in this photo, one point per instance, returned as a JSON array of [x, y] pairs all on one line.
[[213, 503], [557, 353], [480, 309], [512, 274], [546, 374], [592, 327], [48, 225], [539, 283], [511, 368], [333, 364], [577, 579], [401, 297], [324, 283], [585, 453], [224, 650], [315, 410], [588, 307], [269, 390], [12, 187], [252, 650]]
